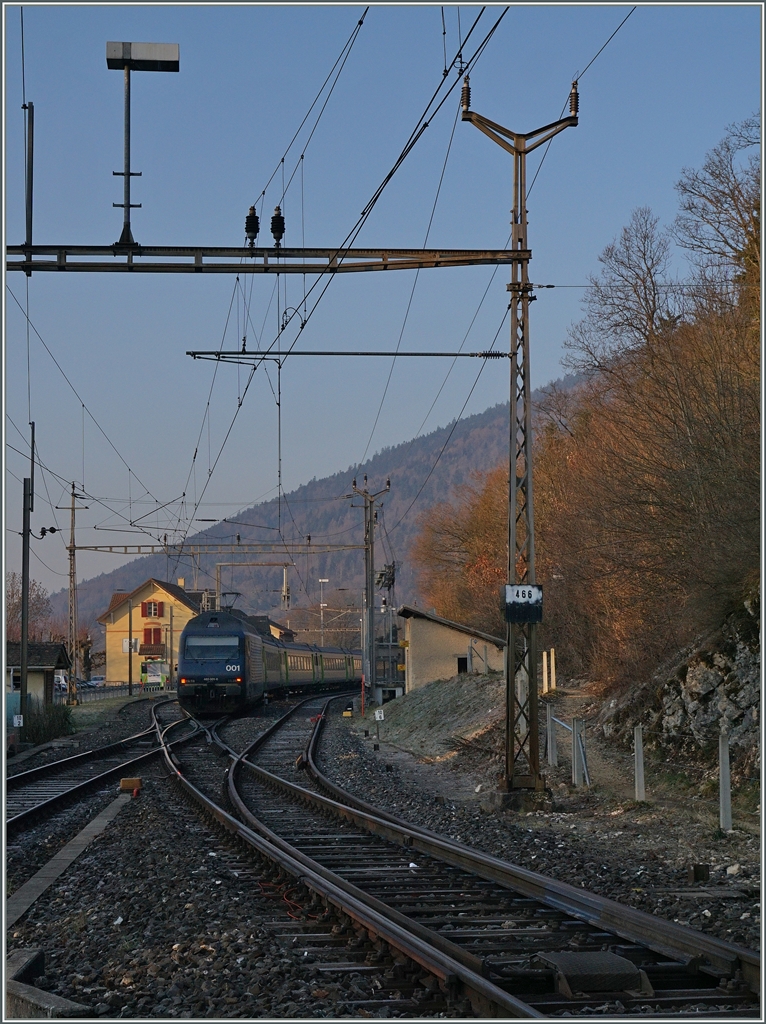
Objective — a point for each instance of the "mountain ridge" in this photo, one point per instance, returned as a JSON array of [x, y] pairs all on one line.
[[423, 471]]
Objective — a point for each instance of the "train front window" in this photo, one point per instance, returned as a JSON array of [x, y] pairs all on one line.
[[212, 648]]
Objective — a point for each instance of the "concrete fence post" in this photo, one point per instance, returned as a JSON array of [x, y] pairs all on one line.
[[724, 782], [576, 752], [545, 671], [553, 754], [638, 758], [553, 669]]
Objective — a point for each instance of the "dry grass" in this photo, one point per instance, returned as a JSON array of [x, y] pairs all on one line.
[[438, 720]]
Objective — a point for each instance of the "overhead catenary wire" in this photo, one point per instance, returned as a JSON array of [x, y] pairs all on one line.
[[600, 51], [577, 77], [341, 57], [414, 286], [422, 124], [65, 482], [77, 394]]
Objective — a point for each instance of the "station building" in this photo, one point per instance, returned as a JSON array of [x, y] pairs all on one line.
[[159, 612]]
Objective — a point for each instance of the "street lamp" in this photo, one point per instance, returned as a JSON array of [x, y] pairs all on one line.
[[322, 607], [129, 57]]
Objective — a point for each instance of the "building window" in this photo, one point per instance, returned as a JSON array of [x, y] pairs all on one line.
[[152, 609], [153, 635]]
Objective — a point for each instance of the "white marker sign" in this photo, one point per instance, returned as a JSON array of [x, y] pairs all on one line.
[[523, 602]]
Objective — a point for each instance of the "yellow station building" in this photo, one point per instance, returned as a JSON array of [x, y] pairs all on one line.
[[159, 611]]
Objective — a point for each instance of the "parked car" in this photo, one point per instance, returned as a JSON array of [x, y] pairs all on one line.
[[98, 680], [59, 684]]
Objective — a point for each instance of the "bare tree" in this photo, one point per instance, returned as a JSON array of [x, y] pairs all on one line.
[[39, 608], [719, 222]]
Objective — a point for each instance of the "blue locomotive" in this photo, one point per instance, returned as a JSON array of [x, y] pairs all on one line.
[[225, 664]]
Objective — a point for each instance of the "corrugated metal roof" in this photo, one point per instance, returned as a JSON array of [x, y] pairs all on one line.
[[407, 611]]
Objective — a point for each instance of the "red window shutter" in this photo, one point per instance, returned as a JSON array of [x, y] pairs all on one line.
[[160, 609], [143, 609], [148, 635], [157, 636]]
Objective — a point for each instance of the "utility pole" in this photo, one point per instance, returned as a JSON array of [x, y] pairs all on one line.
[[30, 109], [28, 507], [522, 755], [370, 518], [27, 499], [72, 690], [321, 611], [130, 646], [170, 670]]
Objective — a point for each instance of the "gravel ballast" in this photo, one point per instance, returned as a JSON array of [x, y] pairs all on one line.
[[160, 918], [638, 854]]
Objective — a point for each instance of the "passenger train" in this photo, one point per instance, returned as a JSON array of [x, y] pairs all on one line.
[[225, 664]]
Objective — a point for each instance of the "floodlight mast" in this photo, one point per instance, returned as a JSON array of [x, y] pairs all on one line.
[[129, 57], [522, 755]]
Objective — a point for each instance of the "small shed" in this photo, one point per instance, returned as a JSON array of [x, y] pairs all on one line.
[[437, 648], [43, 660]]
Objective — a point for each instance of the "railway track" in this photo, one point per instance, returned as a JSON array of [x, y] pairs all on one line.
[[510, 941], [42, 791]]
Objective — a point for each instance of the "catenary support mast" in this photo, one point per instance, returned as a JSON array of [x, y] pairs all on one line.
[[522, 755]]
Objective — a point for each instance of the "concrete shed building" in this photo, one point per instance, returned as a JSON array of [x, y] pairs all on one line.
[[436, 648]]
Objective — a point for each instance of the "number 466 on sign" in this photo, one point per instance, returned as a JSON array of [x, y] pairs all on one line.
[[523, 602]]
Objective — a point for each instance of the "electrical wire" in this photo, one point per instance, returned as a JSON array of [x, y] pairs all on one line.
[[414, 285], [422, 124], [452, 431], [76, 393], [576, 78], [347, 45]]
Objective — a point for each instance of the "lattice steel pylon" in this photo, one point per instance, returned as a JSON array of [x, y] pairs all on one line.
[[522, 755]]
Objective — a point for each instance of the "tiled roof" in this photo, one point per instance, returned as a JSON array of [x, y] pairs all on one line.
[[152, 650], [39, 655], [117, 600], [171, 589]]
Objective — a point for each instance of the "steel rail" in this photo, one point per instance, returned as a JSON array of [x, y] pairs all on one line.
[[18, 821], [485, 995], [665, 937], [450, 972]]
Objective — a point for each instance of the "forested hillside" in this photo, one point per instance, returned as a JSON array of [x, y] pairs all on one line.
[[647, 474]]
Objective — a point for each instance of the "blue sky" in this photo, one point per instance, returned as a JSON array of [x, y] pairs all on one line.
[[207, 140]]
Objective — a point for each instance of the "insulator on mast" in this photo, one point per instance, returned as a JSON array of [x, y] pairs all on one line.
[[252, 226], [277, 226], [465, 95], [574, 101]]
